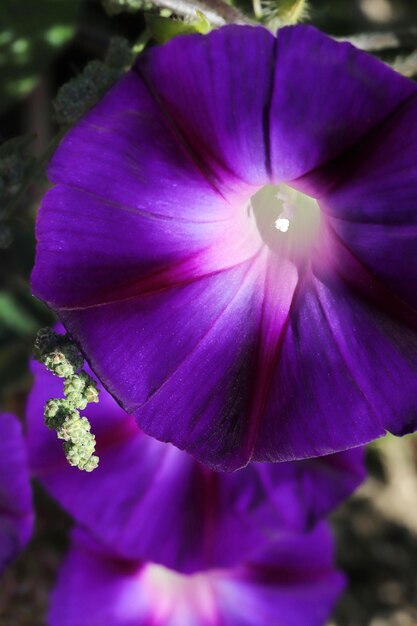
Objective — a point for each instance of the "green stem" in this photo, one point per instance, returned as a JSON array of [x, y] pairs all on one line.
[[257, 9], [142, 41], [216, 11]]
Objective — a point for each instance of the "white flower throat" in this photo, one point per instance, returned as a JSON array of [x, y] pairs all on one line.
[[287, 220]]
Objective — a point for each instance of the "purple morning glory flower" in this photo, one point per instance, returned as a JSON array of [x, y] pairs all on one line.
[[152, 501], [231, 238], [16, 514], [293, 583]]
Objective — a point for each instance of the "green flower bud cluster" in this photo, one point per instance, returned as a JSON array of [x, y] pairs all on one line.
[[56, 412], [80, 389], [81, 456], [63, 363], [63, 359], [57, 353], [74, 430]]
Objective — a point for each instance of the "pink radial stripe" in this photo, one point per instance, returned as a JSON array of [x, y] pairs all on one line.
[[281, 279], [201, 359], [102, 262], [239, 242]]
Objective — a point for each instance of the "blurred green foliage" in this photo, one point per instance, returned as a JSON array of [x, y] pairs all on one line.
[[20, 318], [31, 34], [114, 7], [16, 163]]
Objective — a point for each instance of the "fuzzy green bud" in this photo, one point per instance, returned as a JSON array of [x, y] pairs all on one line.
[[46, 341], [119, 54], [75, 97]]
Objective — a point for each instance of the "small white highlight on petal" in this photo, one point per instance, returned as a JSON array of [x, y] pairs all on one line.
[[282, 224]]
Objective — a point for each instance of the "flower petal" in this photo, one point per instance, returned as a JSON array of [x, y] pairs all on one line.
[[370, 198], [200, 519], [126, 151], [216, 89], [16, 514], [296, 581], [188, 320], [114, 253], [215, 349], [366, 382], [125, 219], [324, 482], [326, 96]]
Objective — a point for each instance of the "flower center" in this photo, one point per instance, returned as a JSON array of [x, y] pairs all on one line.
[[287, 220], [177, 594]]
